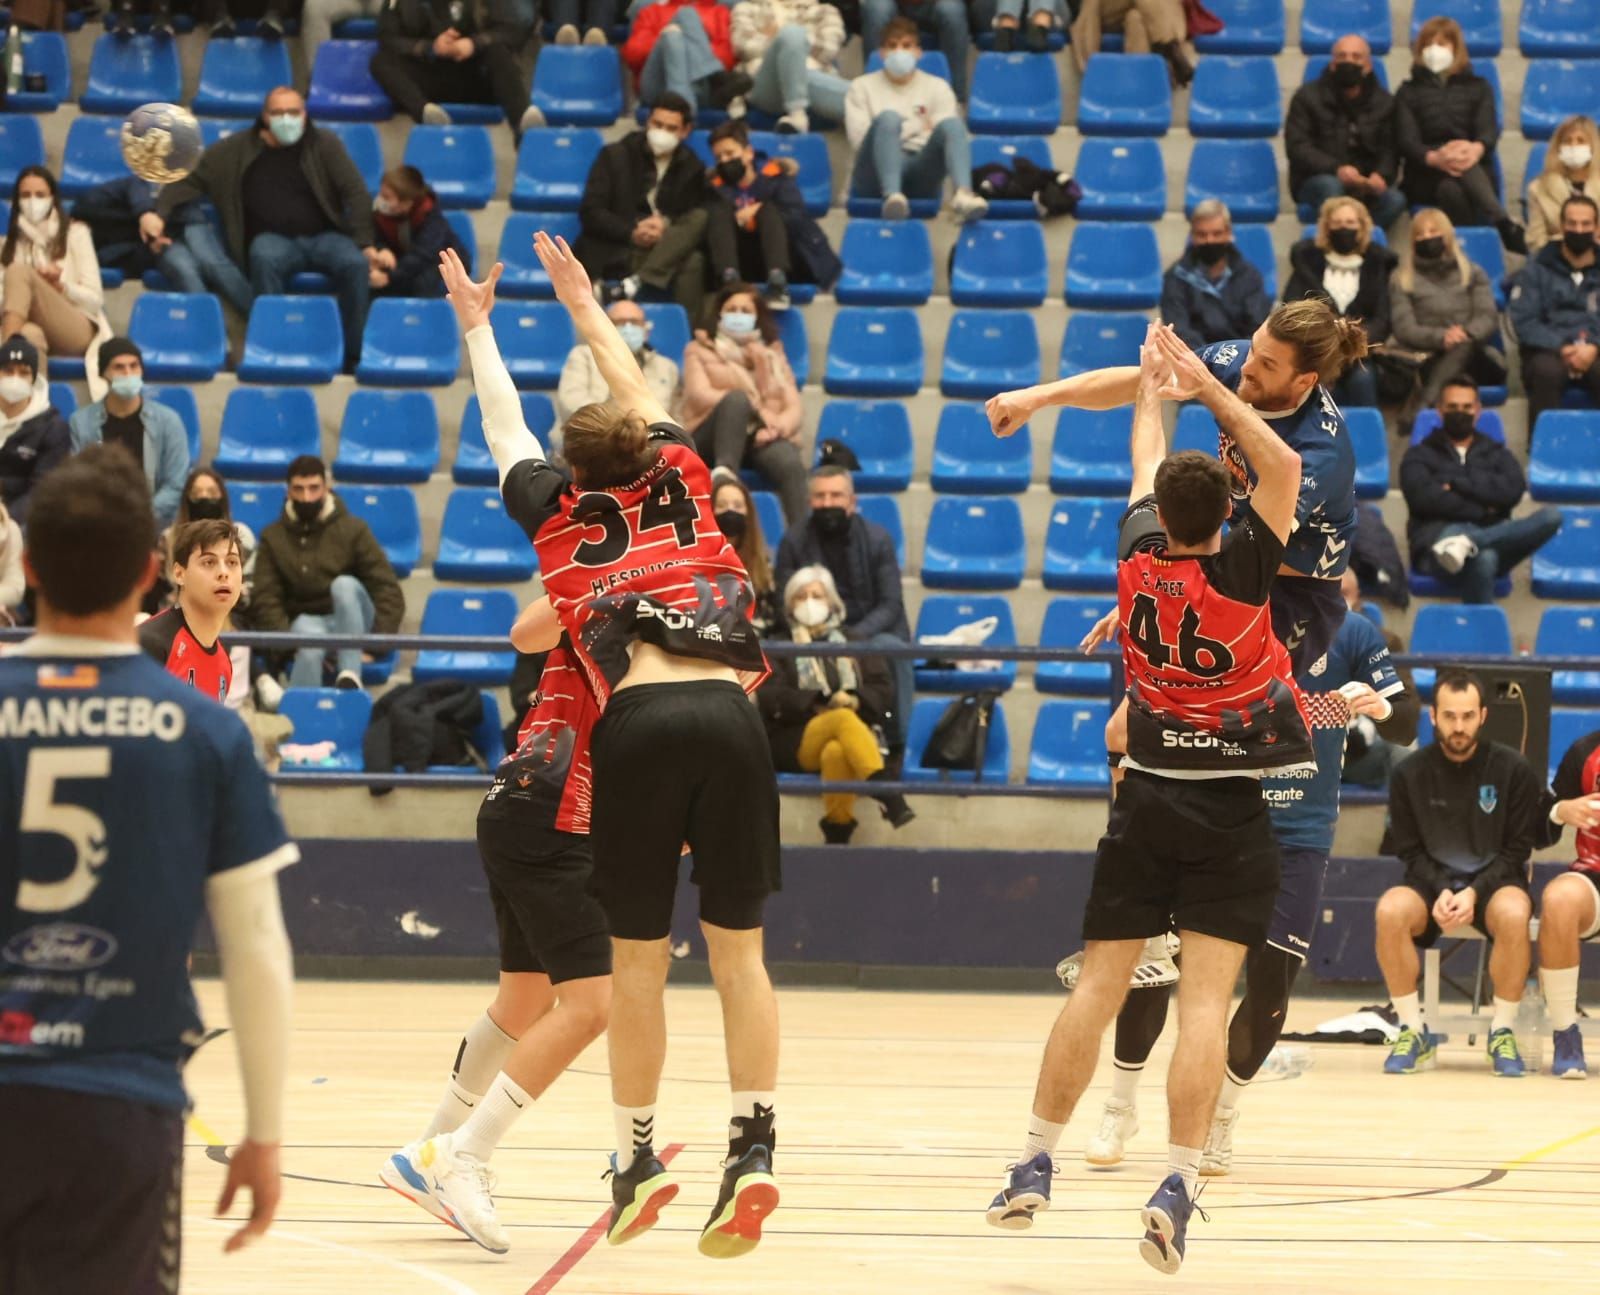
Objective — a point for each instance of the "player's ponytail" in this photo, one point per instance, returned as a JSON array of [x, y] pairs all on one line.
[[1326, 343], [606, 446]]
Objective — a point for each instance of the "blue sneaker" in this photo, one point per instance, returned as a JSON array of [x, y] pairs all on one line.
[[1027, 1191], [1414, 1050], [1504, 1055], [1166, 1222], [1568, 1062]]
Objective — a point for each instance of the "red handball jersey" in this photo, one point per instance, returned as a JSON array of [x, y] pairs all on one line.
[[643, 561], [1579, 775], [547, 780], [166, 636], [1211, 693]]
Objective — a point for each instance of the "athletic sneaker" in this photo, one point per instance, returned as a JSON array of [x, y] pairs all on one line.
[[749, 1193], [1414, 1050], [1118, 1123], [1166, 1223], [1568, 1062], [1453, 552], [461, 1186], [1027, 1191], [1155, 968], [400, 1173], [1217, 1158], [638, 1195], [1504, 1054]]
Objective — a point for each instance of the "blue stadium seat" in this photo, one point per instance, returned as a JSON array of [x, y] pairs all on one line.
[[669, 328], [1196, 430], [552, 166], [769, 513], [388, 436], [337, 715], [1558, 29], [293, 340], [1069, 745], [1066, 621], [1532, 171], [1096, 341], [884, 511], [1080, 547], [941, 613], [93, 155], [477, 541], [411, 342], [1554, 89], [1564, 463], [1427, 422], [1569, 566], [534, 337], [458, 612], [1371, 442], [1444, 628], [1125, 94], [861, 206], [872, 352], [1323, 21], [458, 161], [1318, 63], [181, 335], [925, 714], [360, 140], [461, 222], [65, 399], [236, 75], [342, 88], [796, 344], [969, 459], [474, 114], [878, 433], [578, 85], [933, 61], [21, 144], [1089, 455], [1571, 631], [810, 153], [524, 276], [989, 351], [1014, 94], [1479, 21], [1255, 245], [1426, 586], [1000, 263], [1122, 179], [1235, 97], [264, 429], [474, 465], [1248, 27], [1566, 727], [1113, 266], [974, 542], [126, 72], [178, 399], [391, 512], [255, 506], [886, 263], [44, 53], [1490, 72], [1242, 172], [1003, 150]]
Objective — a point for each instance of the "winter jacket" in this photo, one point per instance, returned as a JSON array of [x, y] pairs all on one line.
[[1547, 308], [1546, 193], [1325, 131], [1376, 559], [417, 239], [617, 196], [713, 367], [754, 20], [1441, 489], [297, 562], [31, 444], [786, 708], [166, 449], [12, 582], [1437, 299], [653, 20], [775, 183], [1308, 262], [408, 27], [422, 724], [1203, 310], [80, 285], [581, 383], [1430, 110], [868, 578]]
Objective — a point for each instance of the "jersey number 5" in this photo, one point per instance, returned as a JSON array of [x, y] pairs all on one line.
[[1200, 656], [667, 504], [83, 829]]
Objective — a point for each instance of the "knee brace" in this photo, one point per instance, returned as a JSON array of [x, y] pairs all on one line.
[[1258, 1020]]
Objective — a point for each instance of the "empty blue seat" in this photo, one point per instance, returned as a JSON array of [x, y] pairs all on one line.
[[360, 140], [236, 75], [524, 276], [1427, 422], [1554, 89], [296, 340], [1564, 462], [669, 328], [1443, 628], [942, 613], [411, 342], [181, 335], [1317, 64], [1235, 97], [989, 351], [1255, 245], [1370, 440], [1558, 28], [178, 399], [461, 221], [388, 436], [255, 506], [1089, 455], [1571, 631], [999, 263], [342, 88], [1248, 27], [1479, 21], [1066, 622], [886, 263], [391, 512], [769, 515], [463, 612], [66, 401], [126, 72], [264, 430], [1069, 745], [1094, 340], [21, 144], [474, 465], [884, 511], [534, 338], [552, 166], [969, 459], [1242, 172], [578, 85], [1003, 150], [974, 542], [872, 352], [1125, 94], [797, 345], [337, 715], [44, 53], [477, 541], [925, 714], [1323, 21], [1014, 94], [1080, 546], [1569, 566], [878, 433], [863, 206], [1113, 266], [1122, 179], [458, 161], [93, 155], [1566, 727]]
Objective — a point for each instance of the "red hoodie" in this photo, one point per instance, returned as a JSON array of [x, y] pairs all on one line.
[[652, 19]]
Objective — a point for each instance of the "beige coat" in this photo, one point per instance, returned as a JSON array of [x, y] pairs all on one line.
[[1546, 193], [712, 367], [1144, 24], [581, 383], [80, 284]]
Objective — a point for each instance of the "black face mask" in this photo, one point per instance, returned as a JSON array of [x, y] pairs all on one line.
[[830, 522], [1211, 253], [1459, 425], [1346, 76], [731, 171], [733, 524], [205, 510], [1428, 249], [1343, 241], [307, 510], [1577, 243]]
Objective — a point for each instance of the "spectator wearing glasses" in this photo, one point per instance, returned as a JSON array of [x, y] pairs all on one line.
[[581, 383]]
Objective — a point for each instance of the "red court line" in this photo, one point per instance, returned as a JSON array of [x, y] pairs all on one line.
[[585, 1243]]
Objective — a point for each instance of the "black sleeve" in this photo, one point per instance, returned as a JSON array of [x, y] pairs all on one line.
[[1569, 774], [671, 432], [154, 641], [1140, 531], [531, 491], [1248, 562]]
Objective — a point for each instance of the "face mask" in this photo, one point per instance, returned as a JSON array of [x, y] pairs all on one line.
[[632, 336], [1438, 58], [1575, 156], [385, 208], [900, 63], [1211, 253], [1577, 243], [1344, 241], [811, 612], [1428, 249], [732, 524], [663, 143], [1458, 425], [731, 171], [14, 389], [205, 510], [830, 521], [307, 510], [739, 324], [1347, 75], [287, 129], [128, 385], [37, 210]]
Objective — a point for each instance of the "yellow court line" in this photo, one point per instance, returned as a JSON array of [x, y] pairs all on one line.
[[1550, 1150], [208, 1135]]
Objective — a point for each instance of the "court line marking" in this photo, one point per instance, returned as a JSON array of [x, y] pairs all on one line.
[[416, 1270], [1552, 1148]]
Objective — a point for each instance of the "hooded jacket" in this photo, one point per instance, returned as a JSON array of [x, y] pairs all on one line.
[[1204, 311], [1325, 131], [775, 183], [417, 239], [616, 197], [297, 563], [166, 449], [1441, 489], [1547, 308], [31, 444]]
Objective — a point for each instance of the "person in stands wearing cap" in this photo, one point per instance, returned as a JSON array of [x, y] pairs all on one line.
[[148, 430], [34, 437]]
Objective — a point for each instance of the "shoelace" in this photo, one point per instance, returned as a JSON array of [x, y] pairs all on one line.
[[1406, 1039], [1109, 1120], [1204, 1217], [1504, 1045]]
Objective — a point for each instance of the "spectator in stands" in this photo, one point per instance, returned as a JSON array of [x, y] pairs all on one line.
[[1555, 308], [684, 48], [946, 20], [434, 52], [737, 518], [581, 383], [1211, 293], [1442, 311], [1147, 27], [13, 582], [320, 570], [790, 51], [1460, 487], [51, 288], [1571, 166], [319, 17], [1006, 18], [1446, 129], [595, 16], [1339, 136], [860, 556], [740, 399], [757, 226], [409, 232], [820, 712], [290, 199], [1569, 909], [643, 213], [1342, 264], [907, 132], [34, 437], [148, 430]]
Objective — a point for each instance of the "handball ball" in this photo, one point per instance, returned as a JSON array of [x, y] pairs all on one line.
[[161, 142]]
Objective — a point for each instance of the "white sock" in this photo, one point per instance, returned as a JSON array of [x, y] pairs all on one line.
[[483, 1051], [1125, 1083], [1232, 1091], [1186, 1162], [492, 1119], [1042, 1136], [1561, 997], [636, 1127], [1505, 1013], [1409, 1010]]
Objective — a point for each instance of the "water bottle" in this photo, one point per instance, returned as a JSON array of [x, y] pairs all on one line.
[[1285, 1061], [1533, 1022], [13, 60]]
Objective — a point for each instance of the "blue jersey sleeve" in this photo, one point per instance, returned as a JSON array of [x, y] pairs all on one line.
[[248, 827], [1327, 464], [1225, 359]]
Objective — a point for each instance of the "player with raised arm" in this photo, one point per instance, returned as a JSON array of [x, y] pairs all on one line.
[[1212, 709], [657, 606], [186, 638], [127, 801]]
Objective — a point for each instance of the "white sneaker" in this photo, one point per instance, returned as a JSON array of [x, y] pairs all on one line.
[[1118, 1122], [895, 207], [1156, 967], [269, 693], [1453, 551], [1217, 1158], [737, 108], [348, 680], [532, 119], [461, 1186], [967, 206], [434, 115], [402, 1173], [797, 122], [566, 34]]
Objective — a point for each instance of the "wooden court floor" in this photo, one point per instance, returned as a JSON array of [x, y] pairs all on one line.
[[898, 1113]]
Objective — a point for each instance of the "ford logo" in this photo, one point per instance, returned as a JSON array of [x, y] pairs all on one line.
[[60, 946]]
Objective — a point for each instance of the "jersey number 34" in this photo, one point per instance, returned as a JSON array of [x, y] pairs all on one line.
[[667, 504]]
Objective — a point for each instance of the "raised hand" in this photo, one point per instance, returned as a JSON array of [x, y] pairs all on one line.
[[472, 301], [1104, 631], [1188, 376], [567, 275]]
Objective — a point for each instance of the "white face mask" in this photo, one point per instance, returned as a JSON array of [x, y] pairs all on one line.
[[1575, 157], [811, 612], [662, 142], [14, 388], [37, 210], [1437, 58]]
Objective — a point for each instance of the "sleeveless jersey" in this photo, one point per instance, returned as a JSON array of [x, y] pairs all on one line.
[[643, 561], [122, 791], [1579, 775], [167, 638], [547, 780], [1210, 691]]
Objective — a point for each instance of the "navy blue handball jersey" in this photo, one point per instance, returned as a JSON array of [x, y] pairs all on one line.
[[122, 791]]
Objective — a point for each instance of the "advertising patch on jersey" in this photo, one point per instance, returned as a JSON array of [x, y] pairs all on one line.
[[1488, 798], [69, 676], [60, 946], [1319, 666]]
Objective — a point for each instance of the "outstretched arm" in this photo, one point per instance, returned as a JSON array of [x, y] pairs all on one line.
[[1096, 389], [1147, 445]]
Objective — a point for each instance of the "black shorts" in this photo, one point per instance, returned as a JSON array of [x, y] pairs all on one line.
[[544, 905], [1431, 933], [676, 763], [1306, 614], [1185, 855], [93, 1201], [1294, 914]]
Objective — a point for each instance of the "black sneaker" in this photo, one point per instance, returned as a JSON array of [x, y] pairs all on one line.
[[749, 1193], [638, 1195], [270, 25], [1038, 38], [224, 28], [1005, 39], [777, 291], [726, 86], [1511, 236], [894, 805], [836, 833]]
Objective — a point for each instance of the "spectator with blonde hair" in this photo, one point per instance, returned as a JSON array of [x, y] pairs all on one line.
[[1441, 309], [1571, 166]]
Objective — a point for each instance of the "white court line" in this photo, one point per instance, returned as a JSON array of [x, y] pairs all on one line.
[[416, 1270]]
